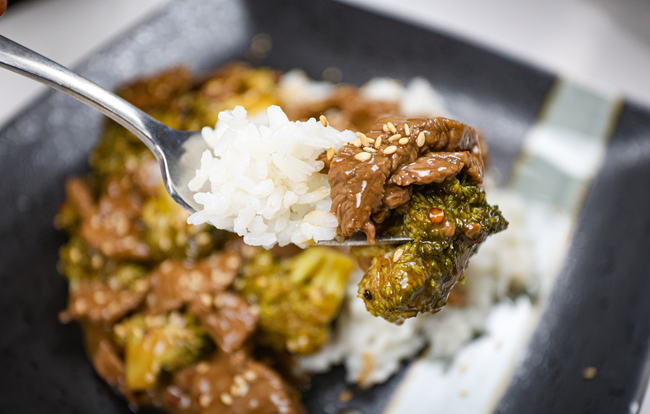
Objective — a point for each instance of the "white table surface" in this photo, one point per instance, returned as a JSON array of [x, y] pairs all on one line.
[[605, 42]]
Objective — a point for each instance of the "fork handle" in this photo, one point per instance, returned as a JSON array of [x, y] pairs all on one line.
[[26, 62]]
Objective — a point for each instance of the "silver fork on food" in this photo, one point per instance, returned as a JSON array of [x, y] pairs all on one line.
[[178, 152]]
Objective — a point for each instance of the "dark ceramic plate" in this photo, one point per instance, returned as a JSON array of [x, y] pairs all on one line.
[[599, 312]]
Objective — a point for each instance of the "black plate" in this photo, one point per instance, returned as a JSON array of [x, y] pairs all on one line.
[[599, 312]]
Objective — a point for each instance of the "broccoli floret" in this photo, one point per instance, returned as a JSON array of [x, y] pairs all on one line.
[[447, 222], [297, 297], [167, 233], [156, 344]]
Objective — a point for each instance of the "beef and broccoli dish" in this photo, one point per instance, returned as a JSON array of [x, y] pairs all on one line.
[[192, 319]]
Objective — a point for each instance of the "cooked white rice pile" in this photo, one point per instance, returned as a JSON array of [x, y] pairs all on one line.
[[262, 182]]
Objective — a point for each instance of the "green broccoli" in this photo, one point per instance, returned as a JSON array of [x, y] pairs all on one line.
[[297, 297], [162, 343], [167, 233], [77, 261], [118, 150], [447, 222]]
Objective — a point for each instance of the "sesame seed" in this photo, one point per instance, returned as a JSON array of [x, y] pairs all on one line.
[[96, 262], [364, 140], [205, 400], [391, 127], [368, 149], [99, 297], [362, 156], [589, 373], [357, 143], [226, 399], [398, 254], [75, 255], [345, 396], [407, 130], [390, 150], [385, 128], [114, 283], [323, 120], [238, 379], [394, 138], [137, 332], [119, 330], [239, 390], [80, 306], [233, 262], [377, 142], [292, 346], [420, 140], [166, 266], [202, 367], [250, 375], [206, 299], [330, 153], [203, 238], [254, 310], [141, 285], [403, 141]]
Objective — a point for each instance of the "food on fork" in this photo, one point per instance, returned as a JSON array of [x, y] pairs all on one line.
[[195, 319]]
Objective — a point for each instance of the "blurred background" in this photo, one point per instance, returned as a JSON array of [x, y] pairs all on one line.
[[601, 42]]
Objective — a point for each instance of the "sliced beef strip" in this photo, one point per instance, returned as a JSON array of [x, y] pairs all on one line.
[[98, 302], [175, 283], [364, 191], [112, 227], [435, 167], [228, 318], [357, 190], [231, 384]]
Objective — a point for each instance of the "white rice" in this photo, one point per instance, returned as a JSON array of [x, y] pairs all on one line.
[[295, 88], [262, 182], [417, 98]]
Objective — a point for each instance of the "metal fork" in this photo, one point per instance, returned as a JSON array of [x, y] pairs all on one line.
[[178, 152]]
